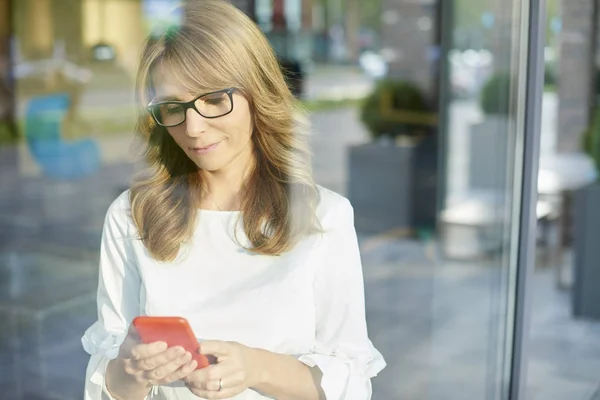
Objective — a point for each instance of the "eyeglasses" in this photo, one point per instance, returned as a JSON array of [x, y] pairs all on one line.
[[209, 105]]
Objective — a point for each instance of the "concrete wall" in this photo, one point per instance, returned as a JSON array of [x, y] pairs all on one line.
[[81, 23], [119, 23], [35, 30], [407, 37]]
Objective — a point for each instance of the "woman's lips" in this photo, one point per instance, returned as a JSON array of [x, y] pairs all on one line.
[[204, 150]]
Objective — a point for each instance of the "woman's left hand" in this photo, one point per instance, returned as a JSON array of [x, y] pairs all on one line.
[[236, 369]]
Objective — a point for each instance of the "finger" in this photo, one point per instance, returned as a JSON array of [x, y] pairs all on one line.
[[215, 385], [132, 339], [183, 372], [215, 347], [160, 374], [194, 376], [229, 381], [160, 359], [132, 332], [126, 347], [139, 351], [199, 379], [225, 393]]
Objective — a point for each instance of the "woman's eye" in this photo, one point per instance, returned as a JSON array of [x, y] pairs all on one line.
[[172, 109], [214, 101]]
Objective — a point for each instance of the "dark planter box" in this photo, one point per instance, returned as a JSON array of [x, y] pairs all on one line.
[[393, 187], [488, 146], [586, 234]]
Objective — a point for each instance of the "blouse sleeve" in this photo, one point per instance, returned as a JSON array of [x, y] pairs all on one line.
[[117, 299], [343, 351]]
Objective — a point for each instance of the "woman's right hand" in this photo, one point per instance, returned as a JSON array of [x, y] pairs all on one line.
[[141, 365]]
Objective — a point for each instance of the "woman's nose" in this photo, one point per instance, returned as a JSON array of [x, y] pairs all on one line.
[[195, 123]]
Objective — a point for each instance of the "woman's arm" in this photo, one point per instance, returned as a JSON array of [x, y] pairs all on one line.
[[123, 389], [117, 303], [343, 360], [342, 350], [283, 377], [240, 367]]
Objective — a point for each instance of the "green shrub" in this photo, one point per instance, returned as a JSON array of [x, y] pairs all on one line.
[[404, 97], [9, 133], [550, 74], [494, 98], [591, 140]]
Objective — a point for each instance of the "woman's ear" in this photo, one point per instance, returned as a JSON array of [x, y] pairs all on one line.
[[252, 115], [250, 100], [252, 123]]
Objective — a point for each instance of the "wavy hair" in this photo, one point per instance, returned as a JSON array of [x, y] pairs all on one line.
[[217, 46]]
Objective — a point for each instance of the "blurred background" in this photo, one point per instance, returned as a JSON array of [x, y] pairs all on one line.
[[470, 158]]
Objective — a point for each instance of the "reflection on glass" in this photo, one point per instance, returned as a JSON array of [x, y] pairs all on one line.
[[473, 301], [564, 339], [415, 116]]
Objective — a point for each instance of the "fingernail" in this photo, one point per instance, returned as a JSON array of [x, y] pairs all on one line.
[[162, 346]]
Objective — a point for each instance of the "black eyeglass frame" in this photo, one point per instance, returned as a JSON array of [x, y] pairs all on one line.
[[190, 104]]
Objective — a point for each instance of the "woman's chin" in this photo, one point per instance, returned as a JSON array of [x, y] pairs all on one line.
[[207, 165]]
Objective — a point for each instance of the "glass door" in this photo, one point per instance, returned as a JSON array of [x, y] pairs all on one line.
[[491, 96]]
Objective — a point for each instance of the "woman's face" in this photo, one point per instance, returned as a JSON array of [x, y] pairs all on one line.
[[211, 143]]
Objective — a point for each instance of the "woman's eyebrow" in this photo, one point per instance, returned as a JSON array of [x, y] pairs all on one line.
[[167, 98]]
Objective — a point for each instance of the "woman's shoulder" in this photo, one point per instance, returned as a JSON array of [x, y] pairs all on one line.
[[119, 211], [333, 209]]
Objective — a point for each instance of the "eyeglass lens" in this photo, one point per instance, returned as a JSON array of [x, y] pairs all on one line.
[[211, 105]]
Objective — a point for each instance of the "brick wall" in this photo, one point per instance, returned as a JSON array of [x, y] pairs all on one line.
[[574, 73]]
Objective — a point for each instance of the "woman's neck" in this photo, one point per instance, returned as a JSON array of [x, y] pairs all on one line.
[[222, 188]]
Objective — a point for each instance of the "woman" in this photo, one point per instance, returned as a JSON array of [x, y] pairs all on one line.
[[230, 232]]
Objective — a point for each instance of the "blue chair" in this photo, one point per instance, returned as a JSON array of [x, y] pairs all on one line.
[[59, 159]]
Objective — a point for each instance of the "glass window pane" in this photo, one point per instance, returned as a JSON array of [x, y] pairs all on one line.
[[565, 319], [417, 114]]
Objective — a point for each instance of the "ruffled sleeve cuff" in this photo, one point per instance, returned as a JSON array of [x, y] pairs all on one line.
[[97, 340], [103, 346], [345, 377]]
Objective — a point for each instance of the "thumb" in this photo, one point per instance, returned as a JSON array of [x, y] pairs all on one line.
[[217, 348]]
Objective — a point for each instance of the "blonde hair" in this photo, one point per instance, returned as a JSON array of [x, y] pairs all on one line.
[[217, 46]]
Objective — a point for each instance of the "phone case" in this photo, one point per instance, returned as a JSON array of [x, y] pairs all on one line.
[[175, 331]]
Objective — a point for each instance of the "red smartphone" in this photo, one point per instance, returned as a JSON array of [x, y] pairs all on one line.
[[175, 331]]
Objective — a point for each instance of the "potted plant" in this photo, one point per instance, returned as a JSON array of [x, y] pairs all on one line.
[[586, 231], [396, 110], [488, 142], [392, 180]]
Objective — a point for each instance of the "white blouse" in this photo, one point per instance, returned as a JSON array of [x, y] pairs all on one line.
[[308, 303]]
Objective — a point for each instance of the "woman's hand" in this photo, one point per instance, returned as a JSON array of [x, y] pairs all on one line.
[[149, 364], [237, 368]]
